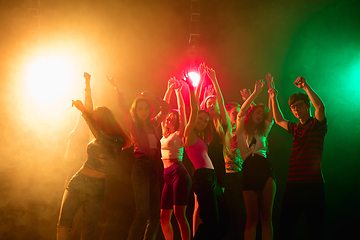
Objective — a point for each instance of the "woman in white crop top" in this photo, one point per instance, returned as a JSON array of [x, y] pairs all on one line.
[[259, 187], [177, 181]]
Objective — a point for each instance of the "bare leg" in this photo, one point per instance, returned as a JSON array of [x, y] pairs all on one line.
[[165, 220], [266, 206], [196, 215], [251, 199], [180, 214]]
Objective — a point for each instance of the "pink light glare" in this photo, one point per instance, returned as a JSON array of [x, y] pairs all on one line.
[[195, 77]]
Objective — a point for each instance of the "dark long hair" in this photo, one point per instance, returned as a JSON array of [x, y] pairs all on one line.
[[134, 114], [261, 127], [207, 134], [108, 123]]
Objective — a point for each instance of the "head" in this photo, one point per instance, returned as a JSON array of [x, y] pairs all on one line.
[[171, 122], [211, 105], [255, 118], [300, 105], [233, 109], [142, 110], [202, 126], [108, 123]]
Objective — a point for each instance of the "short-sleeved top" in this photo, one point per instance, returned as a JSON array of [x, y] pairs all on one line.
[[172, 147], [244, 140], [232, 157], [100, 154], [306, 153]]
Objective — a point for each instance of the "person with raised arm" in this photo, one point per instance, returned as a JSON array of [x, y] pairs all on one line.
[[207, 191], [87, 187], [305, 183], [259, 186], [177, 181], [142, 125]]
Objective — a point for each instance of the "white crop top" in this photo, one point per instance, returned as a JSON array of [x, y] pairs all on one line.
[[172, 147]]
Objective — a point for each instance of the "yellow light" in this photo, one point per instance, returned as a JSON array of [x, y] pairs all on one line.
[[49, 78]]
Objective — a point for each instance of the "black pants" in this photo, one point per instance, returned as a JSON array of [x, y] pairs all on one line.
[[307, 198], [213, 210]]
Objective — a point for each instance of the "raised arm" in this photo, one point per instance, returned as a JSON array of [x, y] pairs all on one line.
[[164, 107], [271, 85], [202, 73], [181, 107], [278, 116], [88, 99], [220, 99], [96, 131], [169, 90], [258, 87], [300, 82], [121, 102], [190, 137]]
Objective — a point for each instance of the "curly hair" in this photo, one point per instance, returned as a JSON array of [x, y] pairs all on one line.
[[261, 127]]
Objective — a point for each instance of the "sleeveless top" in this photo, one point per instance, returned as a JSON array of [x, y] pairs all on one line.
[[172, 147], [198, 155]]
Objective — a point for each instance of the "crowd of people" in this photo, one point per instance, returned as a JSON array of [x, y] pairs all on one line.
[[232, 181]]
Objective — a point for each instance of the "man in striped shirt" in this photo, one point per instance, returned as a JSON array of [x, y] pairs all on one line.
[[305, 184]]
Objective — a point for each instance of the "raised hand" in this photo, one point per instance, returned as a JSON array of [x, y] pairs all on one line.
[[245, 94], [272, 92], [300, 82], [172, 82], [178, 85], [112, 82], [87, 77], [79, 105], [209, 90], [270, 81], [187, 80], [259, 86], [202, 68], [211, 73]]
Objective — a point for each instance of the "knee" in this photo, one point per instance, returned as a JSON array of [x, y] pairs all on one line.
[[180, 215], [252, 220]]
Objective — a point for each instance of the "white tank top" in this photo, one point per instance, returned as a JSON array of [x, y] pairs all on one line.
[[172, 147]]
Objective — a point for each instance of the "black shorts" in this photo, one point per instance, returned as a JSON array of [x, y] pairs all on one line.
[[256, 171]]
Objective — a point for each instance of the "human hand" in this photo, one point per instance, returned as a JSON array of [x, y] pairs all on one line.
[[211, 73], [209, 90], [87, 77], [187, 80], [202, 68], [270, 81], [112, 81], [178, 85], [259, 86], [79, 105], [272, 92], [245, 94], [171, 83], [300, 82]]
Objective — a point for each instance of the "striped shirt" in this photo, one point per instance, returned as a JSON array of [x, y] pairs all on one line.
[[306, 154]]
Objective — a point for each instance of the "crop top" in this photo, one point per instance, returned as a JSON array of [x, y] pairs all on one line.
[[103, 150], [198, 155], [172, 147], [245, 141]]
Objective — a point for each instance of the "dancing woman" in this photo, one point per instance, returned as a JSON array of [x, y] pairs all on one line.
[[142, 124], [253, 127], [87, 187], [177, 181]]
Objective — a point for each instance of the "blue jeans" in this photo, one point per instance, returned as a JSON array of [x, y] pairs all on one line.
[[145, 182], [88, 192]]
